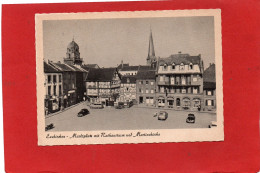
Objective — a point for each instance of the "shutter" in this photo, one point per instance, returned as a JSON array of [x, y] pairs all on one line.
[[212, 102], [206, 102]]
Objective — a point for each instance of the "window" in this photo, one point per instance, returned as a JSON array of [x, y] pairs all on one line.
[[195, 90], [181, 66], [49, 90], [151, 82], [178, 102], [146, 91], [183, 81], [162, 89], [59, 78], [128, 80], [54, 79], [209, 93], [140, 90], [147, 82], [195, 79], [140, 82], [165, 67], [173, 66], [161, 78], [152, 91], [60, 93], [54, 90], [49, 78], [172, 80], [191, 66], [183, 91]]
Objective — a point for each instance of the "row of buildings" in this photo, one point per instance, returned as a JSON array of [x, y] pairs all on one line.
[[177, 82]]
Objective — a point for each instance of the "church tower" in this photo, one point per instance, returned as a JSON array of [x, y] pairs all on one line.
[[73, 54], [151, 53]]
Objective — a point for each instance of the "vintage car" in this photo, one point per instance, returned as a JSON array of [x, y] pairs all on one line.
[[162, 115], [83, 112], [128, 104], [213, 124], [96, 106], [191, 118], [119, 106], [49, 126]]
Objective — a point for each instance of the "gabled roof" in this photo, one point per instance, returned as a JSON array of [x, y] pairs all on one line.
[[209, 77], [145, 74], [145, 67], [130, 68], [132, 79], [76, 69], [50, 69], [101, 74], [63, 67], [177, 59]]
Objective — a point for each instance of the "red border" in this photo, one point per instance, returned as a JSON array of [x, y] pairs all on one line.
[[239, 152]]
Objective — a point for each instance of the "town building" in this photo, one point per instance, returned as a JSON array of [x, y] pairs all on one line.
[[73, 83], [128, 89], [53, 89], [179, 82], [103, 85], [209, 88], [145, 87]]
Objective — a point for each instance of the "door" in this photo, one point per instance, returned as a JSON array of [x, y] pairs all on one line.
[[141, 99]]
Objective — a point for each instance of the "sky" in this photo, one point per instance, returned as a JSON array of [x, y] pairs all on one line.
[[108, 41]]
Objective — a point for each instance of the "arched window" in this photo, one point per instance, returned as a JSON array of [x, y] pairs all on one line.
[[178, 102], [191, 66]]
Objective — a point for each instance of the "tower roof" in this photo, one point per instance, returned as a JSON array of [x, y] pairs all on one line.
[[151, 52], [73, 45]]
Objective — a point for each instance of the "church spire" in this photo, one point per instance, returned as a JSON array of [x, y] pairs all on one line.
[[151, 52]]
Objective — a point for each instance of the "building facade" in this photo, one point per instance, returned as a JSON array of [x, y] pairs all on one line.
[[103, 85], [145, 88], [179, 82], [128, 89], [53, 89], [209, 88]]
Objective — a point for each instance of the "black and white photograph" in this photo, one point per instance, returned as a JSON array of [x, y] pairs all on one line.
[[129, 77]]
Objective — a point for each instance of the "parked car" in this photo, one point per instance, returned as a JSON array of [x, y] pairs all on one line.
[[213, 124], [83, 112], [96, 106], [191, 118], [49, 126], [162, 115], [128, 104], [119, 106]]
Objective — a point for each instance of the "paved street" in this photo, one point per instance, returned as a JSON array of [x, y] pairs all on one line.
[[124, 119]]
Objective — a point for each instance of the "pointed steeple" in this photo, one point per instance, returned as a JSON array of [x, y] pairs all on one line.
[[151, 52]]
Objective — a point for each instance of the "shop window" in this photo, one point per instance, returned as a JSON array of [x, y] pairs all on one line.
[[54, 90], [178, 102], [60, 92]]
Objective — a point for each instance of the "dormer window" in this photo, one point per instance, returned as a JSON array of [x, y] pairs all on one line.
[[165, 67], [191, 66], [173, 66], [181, 66]]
